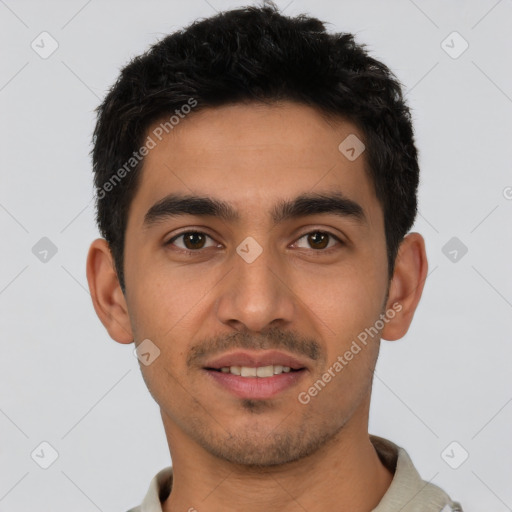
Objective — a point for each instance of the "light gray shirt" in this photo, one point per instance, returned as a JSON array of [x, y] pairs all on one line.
[[407, 492]]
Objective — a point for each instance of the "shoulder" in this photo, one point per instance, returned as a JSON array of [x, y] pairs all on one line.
[[408, 491], [157, 492], [453, 507]]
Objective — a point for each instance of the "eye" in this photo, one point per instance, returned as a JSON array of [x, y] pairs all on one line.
[[192, 240], [319, 240]]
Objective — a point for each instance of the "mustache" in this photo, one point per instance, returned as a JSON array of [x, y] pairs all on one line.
[[272, 338]]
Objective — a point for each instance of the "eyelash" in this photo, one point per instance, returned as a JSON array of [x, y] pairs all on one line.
[[192, 231]]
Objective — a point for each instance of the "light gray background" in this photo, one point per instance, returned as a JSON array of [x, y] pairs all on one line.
[[64, 381]]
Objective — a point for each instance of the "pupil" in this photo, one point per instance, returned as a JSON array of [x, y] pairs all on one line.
[[192, 239], [318, 239]]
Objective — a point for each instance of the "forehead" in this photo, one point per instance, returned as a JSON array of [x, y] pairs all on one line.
[[251, 155]]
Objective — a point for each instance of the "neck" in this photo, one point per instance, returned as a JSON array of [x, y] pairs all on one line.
[[346, 474]]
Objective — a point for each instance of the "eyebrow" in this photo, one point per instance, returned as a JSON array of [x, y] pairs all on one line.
[[307, 204]]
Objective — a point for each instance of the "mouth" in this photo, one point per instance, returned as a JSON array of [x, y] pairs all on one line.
[[263, 362], [256, 375], [258, 371]]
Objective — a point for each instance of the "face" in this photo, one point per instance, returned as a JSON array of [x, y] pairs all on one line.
[[303, 282]]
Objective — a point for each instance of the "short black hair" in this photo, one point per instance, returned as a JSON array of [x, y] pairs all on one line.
[[255, 54]]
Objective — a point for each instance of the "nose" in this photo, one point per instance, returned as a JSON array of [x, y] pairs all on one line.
[[256, 294]]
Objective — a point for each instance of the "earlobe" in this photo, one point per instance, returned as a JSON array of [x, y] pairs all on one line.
[[107, 297], [406, 285]]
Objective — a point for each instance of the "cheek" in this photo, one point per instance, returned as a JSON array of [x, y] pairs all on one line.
[[344, 299], [346, 303], [163, 296]]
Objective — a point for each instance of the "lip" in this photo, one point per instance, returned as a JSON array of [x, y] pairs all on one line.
[[254, 359], [256, 387]]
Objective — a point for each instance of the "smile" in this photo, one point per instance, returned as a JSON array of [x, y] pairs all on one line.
[[260, 371]]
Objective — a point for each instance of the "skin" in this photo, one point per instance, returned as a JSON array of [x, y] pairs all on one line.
[[228, 453]]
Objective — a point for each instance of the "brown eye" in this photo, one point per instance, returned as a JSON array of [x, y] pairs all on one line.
[[319, 240], [192, 240]]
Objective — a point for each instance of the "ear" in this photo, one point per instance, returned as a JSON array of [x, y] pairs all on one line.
[[107, 297], [406, 285]]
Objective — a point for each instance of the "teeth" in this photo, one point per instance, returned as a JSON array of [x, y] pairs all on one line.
[[260, 371], [265, 371], [245, 371]]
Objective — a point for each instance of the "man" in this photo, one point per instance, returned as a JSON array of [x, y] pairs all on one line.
[[256, 181]]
